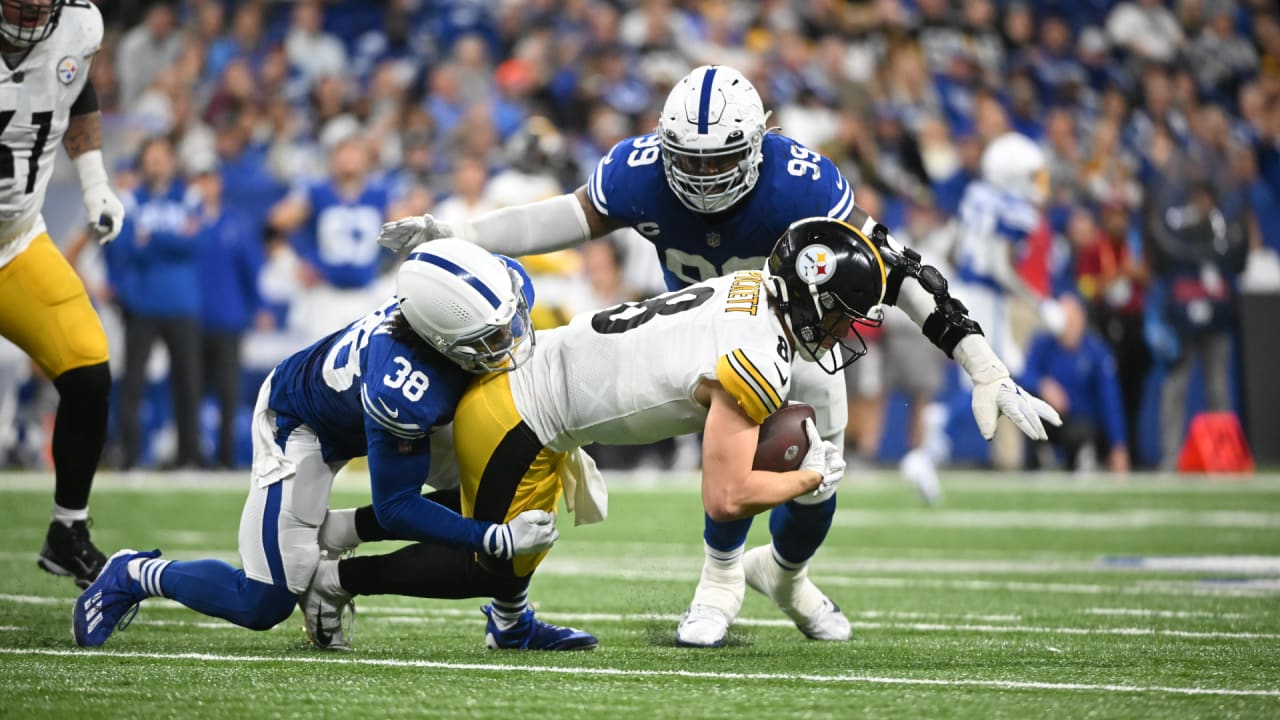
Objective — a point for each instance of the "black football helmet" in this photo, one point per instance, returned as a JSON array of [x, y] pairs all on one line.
[[23, 23], [827, 277]]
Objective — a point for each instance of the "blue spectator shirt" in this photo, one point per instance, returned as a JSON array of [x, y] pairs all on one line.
[[230, 259], [340, 238], [629, 185], [157, 252], [1088, 376]]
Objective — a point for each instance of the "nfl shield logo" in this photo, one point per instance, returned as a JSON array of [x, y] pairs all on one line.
[[67, 70], [713, 239]]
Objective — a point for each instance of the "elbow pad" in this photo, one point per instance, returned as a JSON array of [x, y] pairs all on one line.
[[949, 322]]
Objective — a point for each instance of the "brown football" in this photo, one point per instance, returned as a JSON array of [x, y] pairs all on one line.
[[783, 442]]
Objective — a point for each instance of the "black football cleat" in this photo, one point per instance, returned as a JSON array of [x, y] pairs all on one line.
[[69, 552]]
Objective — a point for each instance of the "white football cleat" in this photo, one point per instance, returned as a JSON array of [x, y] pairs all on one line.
[[703, 626], [918, 468], [795, 594], [324, 610], [715, 604]]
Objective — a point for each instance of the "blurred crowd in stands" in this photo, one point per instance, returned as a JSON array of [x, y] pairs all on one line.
[[262, 144]]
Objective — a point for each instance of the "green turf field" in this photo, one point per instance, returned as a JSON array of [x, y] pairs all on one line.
[[1047, 598]]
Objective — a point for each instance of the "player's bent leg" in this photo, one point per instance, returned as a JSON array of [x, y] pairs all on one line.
[[48, 315], [211, 587], [504, 470], [718, 597], [780, 570], [79, 432]]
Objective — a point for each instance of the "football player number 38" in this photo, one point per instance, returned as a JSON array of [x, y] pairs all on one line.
[[628, 316]]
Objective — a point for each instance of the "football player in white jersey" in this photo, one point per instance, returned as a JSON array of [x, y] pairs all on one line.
[[46, 99], [713, 188], [716, 357]]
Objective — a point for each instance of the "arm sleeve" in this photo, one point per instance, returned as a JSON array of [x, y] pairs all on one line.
[[758, 386], [538, 227], [86, 102], [396, 480]]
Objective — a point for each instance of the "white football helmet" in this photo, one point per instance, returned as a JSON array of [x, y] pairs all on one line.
[[712, 127], [1016, 164], [467, 303]]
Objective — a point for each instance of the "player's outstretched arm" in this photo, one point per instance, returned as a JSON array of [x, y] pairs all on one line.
[[731, 489], [922, 293], [83, 142], [538, 227]]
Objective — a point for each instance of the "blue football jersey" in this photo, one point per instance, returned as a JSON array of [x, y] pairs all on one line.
[[629, 184], [341, 237], [362, 373], [990, 221]]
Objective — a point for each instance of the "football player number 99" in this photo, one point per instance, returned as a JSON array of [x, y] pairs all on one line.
[[646, 151], [804, 162]]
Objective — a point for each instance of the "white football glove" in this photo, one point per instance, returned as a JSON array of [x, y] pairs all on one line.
[[823, 458], [106, 212], [531, 532], [408, 233], [995, 394]]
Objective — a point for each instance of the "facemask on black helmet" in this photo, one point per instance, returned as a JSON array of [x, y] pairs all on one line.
[[828, 280]]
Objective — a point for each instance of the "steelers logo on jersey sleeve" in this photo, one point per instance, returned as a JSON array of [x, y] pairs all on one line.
[[67, 70]]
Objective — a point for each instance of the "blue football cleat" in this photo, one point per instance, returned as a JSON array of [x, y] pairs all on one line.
[[111, 601], [529, 633]]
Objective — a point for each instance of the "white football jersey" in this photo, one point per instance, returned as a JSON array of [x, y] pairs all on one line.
[[627, 374], [35, 109]]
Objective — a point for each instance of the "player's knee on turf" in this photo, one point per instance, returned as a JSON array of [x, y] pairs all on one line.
[[265, 606]]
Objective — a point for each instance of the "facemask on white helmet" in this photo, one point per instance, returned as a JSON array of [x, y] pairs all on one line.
[[712, 128], [468, 304]]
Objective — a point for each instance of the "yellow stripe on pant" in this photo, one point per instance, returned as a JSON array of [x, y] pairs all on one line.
[[45, 310], [504, 468]]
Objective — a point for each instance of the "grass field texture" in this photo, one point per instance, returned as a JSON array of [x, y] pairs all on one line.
[[1023, 598]]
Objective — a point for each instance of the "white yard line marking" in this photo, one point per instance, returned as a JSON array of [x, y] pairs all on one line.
[[10, 628], [432, 615], [435, 617], [1179, 614], [613, 617], [1187, 588], [619, 672], [1129, 519]]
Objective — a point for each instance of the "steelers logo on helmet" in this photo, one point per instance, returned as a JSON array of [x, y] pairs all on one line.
[[816, 264], [827, 279]]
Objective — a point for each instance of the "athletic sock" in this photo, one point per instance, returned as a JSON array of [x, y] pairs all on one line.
[[66, 516], [725, 536], [338, 531], [798, 530], [148, 572], [507, 611]]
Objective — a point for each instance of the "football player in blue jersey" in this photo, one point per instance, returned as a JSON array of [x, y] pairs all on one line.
[[376, 388], [712, 188]]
